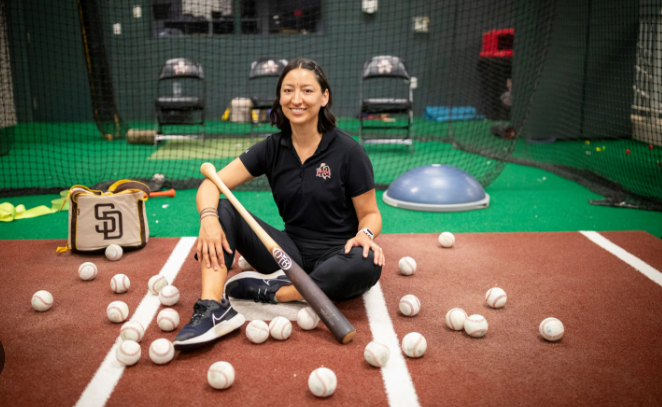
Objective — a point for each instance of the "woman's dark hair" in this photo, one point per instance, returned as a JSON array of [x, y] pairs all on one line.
[[326, 119]]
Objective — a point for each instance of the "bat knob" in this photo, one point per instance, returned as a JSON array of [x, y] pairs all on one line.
[[348, 338], [207, 169]]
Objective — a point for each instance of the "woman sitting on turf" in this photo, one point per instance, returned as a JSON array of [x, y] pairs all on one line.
[[323, 184]]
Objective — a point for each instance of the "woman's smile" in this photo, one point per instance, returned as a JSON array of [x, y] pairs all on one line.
[[298, 110]]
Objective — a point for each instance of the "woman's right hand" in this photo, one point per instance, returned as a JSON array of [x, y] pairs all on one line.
[[211, 243]]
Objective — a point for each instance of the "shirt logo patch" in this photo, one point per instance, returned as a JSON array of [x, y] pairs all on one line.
[[324, 171]]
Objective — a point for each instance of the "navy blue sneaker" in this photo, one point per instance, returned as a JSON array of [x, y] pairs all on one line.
[[211, 320], [251, 285]]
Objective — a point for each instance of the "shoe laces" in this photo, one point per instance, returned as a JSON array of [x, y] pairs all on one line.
[[198, 312], [262, 295]]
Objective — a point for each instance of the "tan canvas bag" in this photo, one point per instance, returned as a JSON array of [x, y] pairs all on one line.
[[98, 219]]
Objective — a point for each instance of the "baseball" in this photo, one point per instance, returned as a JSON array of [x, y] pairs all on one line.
[[161, 351], [42, 300], [280, 328], [551, 329], [409, 305], [243, 264], [414, 345], [220, 375], [156, 283], [307, 319], [446, 239], [322, 382], [132, 331], [128, 352], [120, 283], [168, 319], [407, 266], [475, 325], [114, 252], [257, 331], [377, 354], [117, 311], [495, 297], [87, 271], [169, 295], [455, 319]]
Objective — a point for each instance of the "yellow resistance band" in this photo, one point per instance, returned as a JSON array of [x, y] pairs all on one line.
[[8, 212]]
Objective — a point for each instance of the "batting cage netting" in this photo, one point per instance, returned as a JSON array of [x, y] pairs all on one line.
[[99, 90]]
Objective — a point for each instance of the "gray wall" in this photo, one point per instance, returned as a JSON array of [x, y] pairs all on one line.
[[444, 60]]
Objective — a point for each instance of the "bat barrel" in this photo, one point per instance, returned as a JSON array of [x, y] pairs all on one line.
[[329, 314]]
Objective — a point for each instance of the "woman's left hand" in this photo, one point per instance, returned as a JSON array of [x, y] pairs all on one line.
[[362, 240]]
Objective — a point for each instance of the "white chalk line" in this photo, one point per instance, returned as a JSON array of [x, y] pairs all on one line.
[[397, 381], [627, 257], [105, 379]]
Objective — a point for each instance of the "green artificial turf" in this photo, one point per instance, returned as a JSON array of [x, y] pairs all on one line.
[[523, 199]]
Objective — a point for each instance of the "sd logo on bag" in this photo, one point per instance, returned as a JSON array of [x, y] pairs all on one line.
[[98, 219], [104, 212]]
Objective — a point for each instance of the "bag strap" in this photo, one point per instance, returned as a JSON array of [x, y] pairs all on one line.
[[77, 190], [123, 185], [119, 186]]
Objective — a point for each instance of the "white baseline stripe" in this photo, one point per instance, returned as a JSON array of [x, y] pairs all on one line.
[[103, 383], [630, 259], [397, 381]]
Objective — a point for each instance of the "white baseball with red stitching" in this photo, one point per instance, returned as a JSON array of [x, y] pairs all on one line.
[[128, 352], [132, 331], [414, 345], [243, 264], [307, 319], [475, 326], [114, 252], [169, 295], [161, 351], [280, 328], [455, 319], [156, 283], [168, 319], [409, 305], [42, 300], [87, 271], [407, 266], [322, 382], [551, 329], [257, 331], [117, 311], [120, 283], [446, 240], [377, 354], [495, 297], [220, 375]]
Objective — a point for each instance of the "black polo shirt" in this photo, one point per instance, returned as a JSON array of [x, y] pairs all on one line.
[[315, 198]]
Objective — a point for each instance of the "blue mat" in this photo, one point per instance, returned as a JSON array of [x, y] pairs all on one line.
[[441, 113]]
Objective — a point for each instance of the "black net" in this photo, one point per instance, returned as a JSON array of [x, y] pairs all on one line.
[[95, 91]]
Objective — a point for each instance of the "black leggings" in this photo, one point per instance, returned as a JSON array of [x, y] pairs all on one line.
[[340, 276]]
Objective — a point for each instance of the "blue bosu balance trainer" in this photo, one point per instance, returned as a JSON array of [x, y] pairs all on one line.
[[436, 188]]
